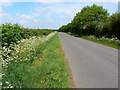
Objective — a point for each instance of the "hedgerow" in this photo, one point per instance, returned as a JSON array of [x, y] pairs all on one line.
[[11, 33], [17, 59]]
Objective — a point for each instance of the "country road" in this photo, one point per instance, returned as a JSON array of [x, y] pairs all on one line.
[[92, 65]]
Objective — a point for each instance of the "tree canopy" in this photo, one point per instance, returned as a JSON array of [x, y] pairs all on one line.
[[94, 20]]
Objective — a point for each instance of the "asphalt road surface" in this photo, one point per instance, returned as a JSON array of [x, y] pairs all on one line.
[[92, 65]]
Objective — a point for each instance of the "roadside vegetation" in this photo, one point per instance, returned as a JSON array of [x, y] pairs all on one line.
[[33, 59], [13, 33], [95, 21], [111, 42]]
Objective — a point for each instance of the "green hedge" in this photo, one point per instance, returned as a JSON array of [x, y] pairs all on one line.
[[11, 33]]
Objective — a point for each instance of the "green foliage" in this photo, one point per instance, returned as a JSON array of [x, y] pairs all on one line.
[[48, 70], [64, 28], [94, 20], [93, 13], [105, 41], [13, 33], [111, 42], [111, 28], [52, 68], [89, 19]]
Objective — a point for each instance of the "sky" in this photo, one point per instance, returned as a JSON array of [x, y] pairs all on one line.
[[46, 14]]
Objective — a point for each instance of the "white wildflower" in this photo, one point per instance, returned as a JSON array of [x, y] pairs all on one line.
[[7, 82], [24, 47], [11, 86]]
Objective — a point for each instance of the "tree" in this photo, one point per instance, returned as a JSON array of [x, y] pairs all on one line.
[[112, 26], [94, 20], [63, 28], [91, 15]]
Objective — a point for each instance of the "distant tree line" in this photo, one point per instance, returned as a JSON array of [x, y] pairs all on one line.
[[94, 20]]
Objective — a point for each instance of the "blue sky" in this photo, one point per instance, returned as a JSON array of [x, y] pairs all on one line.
[[50, 15]]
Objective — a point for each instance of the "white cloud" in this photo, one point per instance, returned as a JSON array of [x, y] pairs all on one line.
[[7, 15], [24, 19], [55, 15], [6, 3], [26, 16], [55, 11], [4, 14], [49, 1], [24, 22], [17, 14], [35, 20], [6, 0], [69, 13], [51, 20], [40, 11], [1, 12]]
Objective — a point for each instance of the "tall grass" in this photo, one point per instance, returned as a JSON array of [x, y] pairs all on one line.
[[31, 58], [17, 59], [53, 72], [37, 62]]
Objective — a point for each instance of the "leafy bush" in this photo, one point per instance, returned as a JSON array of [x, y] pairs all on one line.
[[18, 58], [111, 28], [13, 33]]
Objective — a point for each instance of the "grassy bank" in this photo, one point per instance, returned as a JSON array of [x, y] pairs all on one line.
[[114, 43], [44, 67], [53, 72]]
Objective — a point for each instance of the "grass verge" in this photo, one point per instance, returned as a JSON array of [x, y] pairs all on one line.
[[48, 70], [52, 69], [107, 42]]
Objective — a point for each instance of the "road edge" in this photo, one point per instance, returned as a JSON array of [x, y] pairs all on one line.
[[96, 42], [68, 67]]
